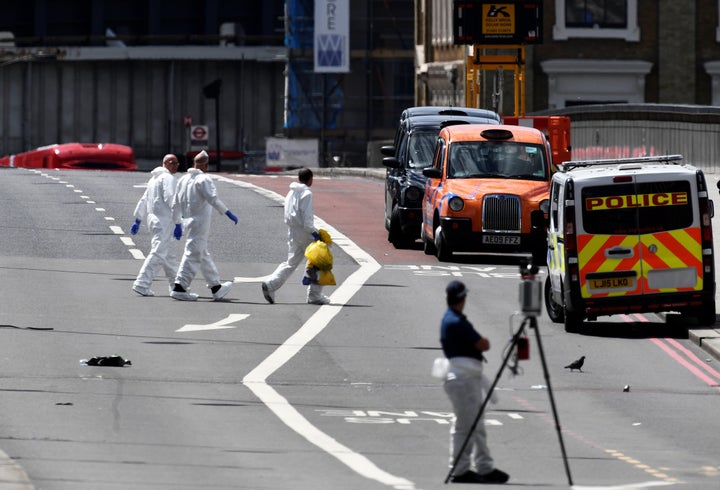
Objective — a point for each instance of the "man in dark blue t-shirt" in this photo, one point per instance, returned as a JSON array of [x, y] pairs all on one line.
[[464, 346]]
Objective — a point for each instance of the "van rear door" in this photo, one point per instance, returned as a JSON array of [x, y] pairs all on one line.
[[638, 234], [670, 234]]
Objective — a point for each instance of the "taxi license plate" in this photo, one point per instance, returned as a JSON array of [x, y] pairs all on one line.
[[501, 239], [618, 283]]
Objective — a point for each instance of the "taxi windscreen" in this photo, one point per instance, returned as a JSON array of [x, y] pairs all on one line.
[[636, 208]]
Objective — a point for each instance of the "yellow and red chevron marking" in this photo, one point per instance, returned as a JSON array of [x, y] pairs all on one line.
[[674, 249], [670, 250], [591, 258]]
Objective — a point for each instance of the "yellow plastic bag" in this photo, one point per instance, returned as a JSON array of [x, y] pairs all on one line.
[[319, 255], [327, 278]]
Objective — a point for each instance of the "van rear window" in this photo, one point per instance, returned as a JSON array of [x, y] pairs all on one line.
[[649, 207]]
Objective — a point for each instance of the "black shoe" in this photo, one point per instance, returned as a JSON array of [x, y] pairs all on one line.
[[495, 476], [467, 477]]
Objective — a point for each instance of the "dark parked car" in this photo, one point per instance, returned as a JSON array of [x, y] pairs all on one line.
[[405, 160]]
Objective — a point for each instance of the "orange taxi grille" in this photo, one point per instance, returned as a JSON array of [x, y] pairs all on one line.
[[501, 213]]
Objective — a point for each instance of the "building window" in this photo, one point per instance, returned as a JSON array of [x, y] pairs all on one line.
[[596, 19], [606, 14], [442, 34], [581, 82]]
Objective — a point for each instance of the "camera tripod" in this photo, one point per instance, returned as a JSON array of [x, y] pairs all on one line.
[[532, 322]]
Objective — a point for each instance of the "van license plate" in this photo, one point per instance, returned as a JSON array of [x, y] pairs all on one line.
[[501, 239], [606, 283]]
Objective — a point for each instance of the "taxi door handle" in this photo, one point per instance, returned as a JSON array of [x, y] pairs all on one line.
[[617, 252]]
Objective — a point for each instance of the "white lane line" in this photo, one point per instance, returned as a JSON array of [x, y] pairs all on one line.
[[256, 380], [117, 230], [137, 254], [127, 241], [628, 486]]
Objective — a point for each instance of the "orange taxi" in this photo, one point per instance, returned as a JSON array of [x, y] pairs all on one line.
[[487, 192]]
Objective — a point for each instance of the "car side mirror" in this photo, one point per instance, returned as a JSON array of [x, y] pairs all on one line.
[[432, 172], [391, 162], [388, 150]]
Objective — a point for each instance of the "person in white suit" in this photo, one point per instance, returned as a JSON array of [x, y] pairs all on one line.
[[195, 198], [155, 207], [299, 218]]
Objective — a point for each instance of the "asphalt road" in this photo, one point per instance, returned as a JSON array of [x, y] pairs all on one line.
[[242, 394]]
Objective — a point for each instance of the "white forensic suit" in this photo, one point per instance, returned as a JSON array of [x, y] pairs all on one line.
[[299, 218], [155, 208], [195, 198]]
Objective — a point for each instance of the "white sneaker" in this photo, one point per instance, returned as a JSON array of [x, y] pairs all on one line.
[[269, 295], [225, 288], [319, 300], [142, 291], [184, 296]]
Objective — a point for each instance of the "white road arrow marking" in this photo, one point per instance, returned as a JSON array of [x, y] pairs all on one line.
[[225, 323]]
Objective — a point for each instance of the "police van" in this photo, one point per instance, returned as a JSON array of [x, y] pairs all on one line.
[[627, 236]]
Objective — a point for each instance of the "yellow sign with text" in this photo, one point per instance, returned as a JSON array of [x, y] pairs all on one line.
[[498, 19], [636, 200]]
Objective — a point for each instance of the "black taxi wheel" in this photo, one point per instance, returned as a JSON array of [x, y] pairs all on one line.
[[395, 234], [443, 252], [428, 245], [555, 311]]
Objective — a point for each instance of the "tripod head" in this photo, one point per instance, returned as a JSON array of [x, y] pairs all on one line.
[[530, 289]]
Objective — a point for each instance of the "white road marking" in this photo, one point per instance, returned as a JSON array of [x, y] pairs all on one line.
[[127, 241], [117, 230], [250, 279], [224, 323], [629, 486], [137, 254], [256, 380]]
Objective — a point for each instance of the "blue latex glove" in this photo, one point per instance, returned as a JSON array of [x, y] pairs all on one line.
[[229, 214], [316, 236], [135, 227], [177, 233]]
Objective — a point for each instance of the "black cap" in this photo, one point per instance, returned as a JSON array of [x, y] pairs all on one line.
[[456, 291]]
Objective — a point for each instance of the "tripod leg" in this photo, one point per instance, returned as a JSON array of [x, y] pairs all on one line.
[[488, 395], [533, 324]]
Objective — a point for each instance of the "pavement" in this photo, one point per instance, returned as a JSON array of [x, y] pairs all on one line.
[[708, 338]]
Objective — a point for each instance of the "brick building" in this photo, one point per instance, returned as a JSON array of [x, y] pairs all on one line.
[[593, 51]]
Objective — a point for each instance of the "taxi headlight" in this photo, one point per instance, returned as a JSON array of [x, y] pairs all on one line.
[[545, 206], [456, 203], [412, 194]]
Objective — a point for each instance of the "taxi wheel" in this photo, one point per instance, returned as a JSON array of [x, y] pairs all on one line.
[[555, 311], [428, 245], [395, 234], [443, 251]]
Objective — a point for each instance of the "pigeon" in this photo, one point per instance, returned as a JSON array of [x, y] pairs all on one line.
[[576, 364]]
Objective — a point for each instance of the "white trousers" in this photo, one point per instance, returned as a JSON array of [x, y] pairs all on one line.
[[196, 256], [161, 255], [296, 256], [467, 395]]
